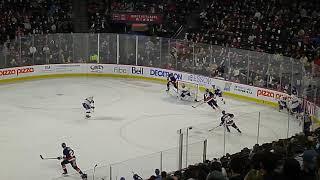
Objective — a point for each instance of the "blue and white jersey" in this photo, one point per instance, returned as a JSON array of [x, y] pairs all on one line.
[[227, 119], [294, 102], [88, 103], [283, 102]]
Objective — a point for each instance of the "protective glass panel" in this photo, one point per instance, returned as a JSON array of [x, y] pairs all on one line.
[[203, 60], [127, 49], [41, 49], [108, 48], [183, 52], [149, 51], [168, 55], [93, 48], [239, 65], [81, 47], [27, 50], [61, 45]]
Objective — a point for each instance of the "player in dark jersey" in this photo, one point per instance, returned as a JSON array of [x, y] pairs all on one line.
[[171, 80], [209, 97], [227, 120], [69, 157], [218, 94]]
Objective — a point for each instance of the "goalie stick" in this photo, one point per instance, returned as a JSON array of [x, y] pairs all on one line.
[[45, 158]]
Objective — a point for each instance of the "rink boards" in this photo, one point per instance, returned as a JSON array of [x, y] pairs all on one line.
[[240, 91]]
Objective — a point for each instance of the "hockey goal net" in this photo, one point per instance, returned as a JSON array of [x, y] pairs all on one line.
[[192, 87]]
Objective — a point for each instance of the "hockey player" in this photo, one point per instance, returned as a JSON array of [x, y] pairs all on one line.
[[171, 80], [227, 120], [69, 157], [184, 92], [282, 103], [218, 94], [295, 106], [209, 98], [88, 105]]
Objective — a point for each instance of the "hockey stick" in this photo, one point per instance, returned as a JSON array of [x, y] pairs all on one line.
[[46, 158], [198, 104], [94, 171], [214, 128], [202, 103]]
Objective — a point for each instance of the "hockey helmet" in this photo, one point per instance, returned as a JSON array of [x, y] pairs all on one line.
[[207, 90], [223, 112], [63, 145]]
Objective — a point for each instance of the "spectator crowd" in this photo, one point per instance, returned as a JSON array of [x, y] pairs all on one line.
[[296, 158]]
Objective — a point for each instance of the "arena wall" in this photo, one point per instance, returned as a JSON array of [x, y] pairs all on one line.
[[235, 90]]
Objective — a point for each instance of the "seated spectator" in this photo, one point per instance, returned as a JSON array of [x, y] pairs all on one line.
[[236, 166], [291, 170], [309, 168], [163, 175], [215, 175], [157, 172]]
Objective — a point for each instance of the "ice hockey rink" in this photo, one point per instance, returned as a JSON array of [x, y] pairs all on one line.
[[132, 118]]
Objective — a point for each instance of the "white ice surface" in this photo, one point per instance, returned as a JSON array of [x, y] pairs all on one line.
[[132, 118]]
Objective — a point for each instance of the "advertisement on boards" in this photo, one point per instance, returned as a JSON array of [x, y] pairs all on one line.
[[164, 73], [16, 71], [120, 70], [136, 70], [96, 68], [67, 67], [242, 89], [270, 95], [202, 80]]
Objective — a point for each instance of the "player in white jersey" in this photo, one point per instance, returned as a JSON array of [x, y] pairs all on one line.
[[295, 104], [88, 105], [184, 92], [227, 120]]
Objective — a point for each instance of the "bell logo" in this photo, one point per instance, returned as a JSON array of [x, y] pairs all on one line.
[[137, 70]]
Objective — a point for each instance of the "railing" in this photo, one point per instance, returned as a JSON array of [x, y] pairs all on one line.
[[247, 67], [258, 127]]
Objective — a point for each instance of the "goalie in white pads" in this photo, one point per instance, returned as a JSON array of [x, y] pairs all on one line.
[[184, 92], [88, 105], [227, 120]]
